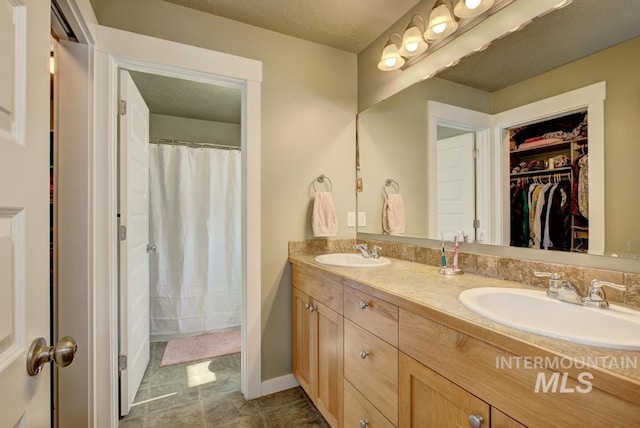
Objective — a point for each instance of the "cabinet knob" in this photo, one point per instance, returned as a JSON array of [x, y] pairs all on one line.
[[475, 421], [364, 423], [363, 304], [311, 308], [363, 354], [307, 306]]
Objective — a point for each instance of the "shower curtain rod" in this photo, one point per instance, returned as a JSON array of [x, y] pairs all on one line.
[[192, 144]]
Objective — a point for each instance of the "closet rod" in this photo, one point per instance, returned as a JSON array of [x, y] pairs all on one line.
[[532, 178], [192, 144]]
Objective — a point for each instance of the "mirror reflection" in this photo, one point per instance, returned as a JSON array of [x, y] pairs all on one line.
[[405, 138]]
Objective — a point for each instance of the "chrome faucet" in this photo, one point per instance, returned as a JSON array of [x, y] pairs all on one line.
[[375, 252], [364, 249], [596, 297], [562, 289]]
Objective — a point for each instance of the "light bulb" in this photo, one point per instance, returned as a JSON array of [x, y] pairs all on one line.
[[439, 28], [390, 62], [412, 46], [472, 4]]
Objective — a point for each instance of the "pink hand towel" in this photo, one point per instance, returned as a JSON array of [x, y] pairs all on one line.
[[393, 220], [324, 221]]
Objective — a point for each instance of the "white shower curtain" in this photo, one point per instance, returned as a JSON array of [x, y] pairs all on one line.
[[196, 271]]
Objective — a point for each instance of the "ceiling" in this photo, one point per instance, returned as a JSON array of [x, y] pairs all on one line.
[[560, 37], [185, 98], [556, 39], [350, 25]]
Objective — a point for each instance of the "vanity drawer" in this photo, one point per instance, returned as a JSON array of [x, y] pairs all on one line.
[[322, 286], [358, 411], [372, 313], [371, 365]]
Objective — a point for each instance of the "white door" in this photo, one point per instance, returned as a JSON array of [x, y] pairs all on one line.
[[24, 209], [456, 205], [134, 260]]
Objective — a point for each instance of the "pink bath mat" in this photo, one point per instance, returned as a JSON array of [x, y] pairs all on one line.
[[201, 347]]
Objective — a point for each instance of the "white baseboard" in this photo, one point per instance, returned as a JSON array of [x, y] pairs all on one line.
[[278, 384]]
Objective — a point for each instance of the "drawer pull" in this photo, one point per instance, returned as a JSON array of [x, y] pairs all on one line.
[[363, 354], [363, 304], [475, 421], [364, 423], [311, 308]]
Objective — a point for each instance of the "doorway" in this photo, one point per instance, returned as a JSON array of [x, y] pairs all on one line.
[[181, 266]]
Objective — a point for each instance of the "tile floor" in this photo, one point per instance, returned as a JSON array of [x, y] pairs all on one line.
[[207, 394]]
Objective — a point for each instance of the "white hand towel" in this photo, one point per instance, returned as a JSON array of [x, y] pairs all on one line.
[[324, 221], [393, 220]]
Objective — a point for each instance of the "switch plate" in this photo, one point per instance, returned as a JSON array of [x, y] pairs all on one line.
[[351, 219], [362, 218]]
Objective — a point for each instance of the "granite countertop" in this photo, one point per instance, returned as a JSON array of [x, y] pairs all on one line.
[[415, 286]]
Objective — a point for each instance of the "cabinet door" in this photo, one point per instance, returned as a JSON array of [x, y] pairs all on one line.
[[430, 400], [330, 367], [305, 343], [500, 420]]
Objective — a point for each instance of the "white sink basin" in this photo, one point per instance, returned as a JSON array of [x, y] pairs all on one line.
[[532, 311], [351, 260]]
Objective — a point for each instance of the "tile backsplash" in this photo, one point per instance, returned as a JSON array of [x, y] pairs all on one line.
[[493, 266]]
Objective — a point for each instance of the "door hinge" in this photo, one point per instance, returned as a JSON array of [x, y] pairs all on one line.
[[122, 232], [476, 224], [123, 107], [475, 153], [122, 362]]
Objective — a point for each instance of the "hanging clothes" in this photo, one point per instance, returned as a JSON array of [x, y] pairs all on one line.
[[583, 186], [560, 217]]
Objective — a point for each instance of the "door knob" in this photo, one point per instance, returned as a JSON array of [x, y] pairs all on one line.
[[39, 354]]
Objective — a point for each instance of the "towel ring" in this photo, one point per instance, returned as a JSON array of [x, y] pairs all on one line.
[[391, 183], [320, 179]]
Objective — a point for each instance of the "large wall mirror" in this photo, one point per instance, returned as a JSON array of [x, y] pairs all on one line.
[[439, 142]]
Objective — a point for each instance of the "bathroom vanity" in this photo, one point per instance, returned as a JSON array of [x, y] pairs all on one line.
[[394, 347]]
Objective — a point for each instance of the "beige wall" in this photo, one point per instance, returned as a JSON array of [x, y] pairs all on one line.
[[620, 68], [202, 131], [393, 144], [308, 127]]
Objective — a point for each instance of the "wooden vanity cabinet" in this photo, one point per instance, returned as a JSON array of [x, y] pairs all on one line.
[[370, 358], [470, 364], [317, 341], [429, 400], [365, 361], [500, 420]]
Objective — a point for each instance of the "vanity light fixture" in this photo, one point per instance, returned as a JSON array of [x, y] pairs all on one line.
[[391, 58], [472, 8], [441, 21], [413, 43], [422, 37]]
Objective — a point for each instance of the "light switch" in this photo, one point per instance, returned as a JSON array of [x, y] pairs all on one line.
[[351, 219], [362, 218]]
